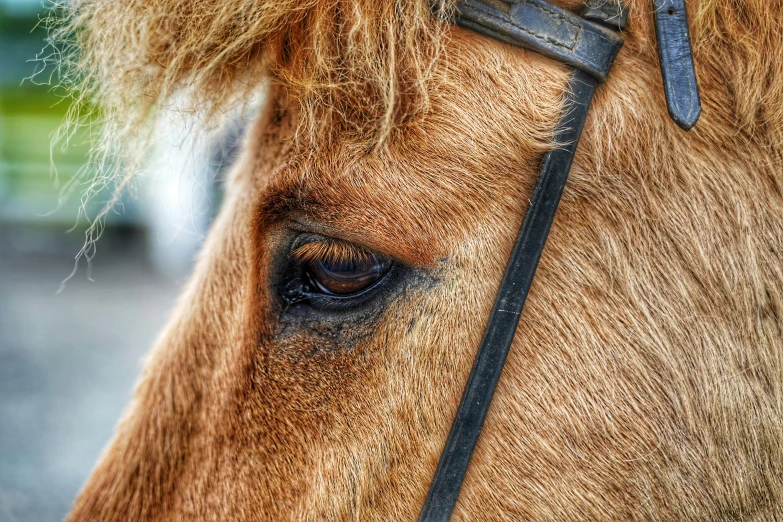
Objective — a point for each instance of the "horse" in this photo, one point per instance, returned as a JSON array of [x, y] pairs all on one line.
[[315, 361]]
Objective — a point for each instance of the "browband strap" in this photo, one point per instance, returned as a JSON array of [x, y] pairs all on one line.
[[546, 29]]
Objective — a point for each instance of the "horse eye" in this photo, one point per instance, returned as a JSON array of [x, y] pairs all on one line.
[[346, 276]]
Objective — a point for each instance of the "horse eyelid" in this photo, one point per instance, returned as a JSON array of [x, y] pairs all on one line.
[[332, 251]]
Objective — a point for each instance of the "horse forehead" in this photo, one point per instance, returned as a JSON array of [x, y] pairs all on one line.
[[435, 179], [395, 207], [466, 161], [492, 106]]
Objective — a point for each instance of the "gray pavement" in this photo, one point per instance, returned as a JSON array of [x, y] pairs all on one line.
[[68, 362]]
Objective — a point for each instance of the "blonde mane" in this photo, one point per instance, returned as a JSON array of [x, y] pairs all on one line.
[[327, 54], [360, 66]]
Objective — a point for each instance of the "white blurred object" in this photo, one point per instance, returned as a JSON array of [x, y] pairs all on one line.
[[175, 202], [183, 185]]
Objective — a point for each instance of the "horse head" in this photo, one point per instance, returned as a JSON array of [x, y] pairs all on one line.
[[317, 357]]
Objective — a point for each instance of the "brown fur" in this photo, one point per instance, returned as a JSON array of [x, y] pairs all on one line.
[[646, 379]]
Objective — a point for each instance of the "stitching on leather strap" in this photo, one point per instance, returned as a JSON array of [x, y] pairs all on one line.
[[550, 13]]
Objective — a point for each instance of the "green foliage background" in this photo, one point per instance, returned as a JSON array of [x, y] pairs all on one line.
[[32, 107]]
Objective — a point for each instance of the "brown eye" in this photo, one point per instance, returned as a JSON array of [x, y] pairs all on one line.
[[347, 276], [333, 267]]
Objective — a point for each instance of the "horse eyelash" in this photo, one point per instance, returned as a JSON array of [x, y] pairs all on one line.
[[335, 252]]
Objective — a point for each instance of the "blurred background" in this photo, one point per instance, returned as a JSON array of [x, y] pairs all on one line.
[[69, 359]]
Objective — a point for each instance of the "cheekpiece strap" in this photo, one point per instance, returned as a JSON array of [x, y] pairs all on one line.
[[546, 29], [591, 49]]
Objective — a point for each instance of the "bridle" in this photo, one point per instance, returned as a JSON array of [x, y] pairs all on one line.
[[589, 44]]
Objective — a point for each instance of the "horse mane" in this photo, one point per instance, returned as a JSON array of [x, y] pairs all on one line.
[[358, 67], [135, 54], [131, 56]]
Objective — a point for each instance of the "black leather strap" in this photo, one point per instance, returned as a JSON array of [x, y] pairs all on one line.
[[611, 13], [508, 306], [547, 29], [674, 50], [539, 26]]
